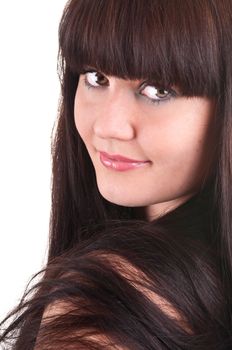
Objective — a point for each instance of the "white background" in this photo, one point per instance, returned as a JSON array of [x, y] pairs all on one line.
[[29, 92]]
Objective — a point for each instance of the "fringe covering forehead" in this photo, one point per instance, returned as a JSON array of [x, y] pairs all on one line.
[[168, 42]]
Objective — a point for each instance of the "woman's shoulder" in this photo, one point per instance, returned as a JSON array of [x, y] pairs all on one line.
[[117, 290]]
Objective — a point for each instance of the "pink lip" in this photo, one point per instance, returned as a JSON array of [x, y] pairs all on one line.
[[120, 163]]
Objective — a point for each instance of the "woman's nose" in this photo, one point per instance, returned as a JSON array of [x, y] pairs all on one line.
[[116, 120]]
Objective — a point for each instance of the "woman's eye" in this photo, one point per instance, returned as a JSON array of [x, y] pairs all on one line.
[[157, 94], [95, 79], [154, 94]]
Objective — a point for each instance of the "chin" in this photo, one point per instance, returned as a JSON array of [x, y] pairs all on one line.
[[116, 198], [123, 199]]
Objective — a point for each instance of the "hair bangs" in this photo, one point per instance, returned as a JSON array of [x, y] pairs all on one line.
[[171, 42]]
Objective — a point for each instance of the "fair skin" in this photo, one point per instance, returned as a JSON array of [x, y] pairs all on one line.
[[118, 116], [175, 136]]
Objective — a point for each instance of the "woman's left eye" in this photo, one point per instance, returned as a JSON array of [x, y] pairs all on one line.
[[157, 94]]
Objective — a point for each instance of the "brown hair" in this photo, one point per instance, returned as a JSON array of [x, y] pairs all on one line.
[[186, 43]]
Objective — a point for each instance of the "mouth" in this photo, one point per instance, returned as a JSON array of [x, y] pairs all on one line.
[[121, 163]]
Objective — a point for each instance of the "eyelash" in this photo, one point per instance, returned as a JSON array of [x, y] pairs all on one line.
[[171, 92]]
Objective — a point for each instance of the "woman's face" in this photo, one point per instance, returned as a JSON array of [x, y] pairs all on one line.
[[166, 136]]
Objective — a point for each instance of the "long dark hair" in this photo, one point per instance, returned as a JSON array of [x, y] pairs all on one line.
[[183, 43], [128, 287]]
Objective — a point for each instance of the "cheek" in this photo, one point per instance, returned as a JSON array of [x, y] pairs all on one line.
[[180, 143], [83, 117]]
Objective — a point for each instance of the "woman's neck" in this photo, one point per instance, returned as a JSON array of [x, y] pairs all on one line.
[[158, 210]]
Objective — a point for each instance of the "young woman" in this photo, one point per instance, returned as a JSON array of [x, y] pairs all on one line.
[[141, 225]]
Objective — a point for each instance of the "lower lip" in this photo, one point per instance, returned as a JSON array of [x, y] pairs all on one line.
[[119, 165]]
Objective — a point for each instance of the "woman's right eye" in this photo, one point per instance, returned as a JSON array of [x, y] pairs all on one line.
[[95, 79]]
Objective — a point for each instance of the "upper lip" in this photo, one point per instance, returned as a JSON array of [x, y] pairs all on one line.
[[118, 157]]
